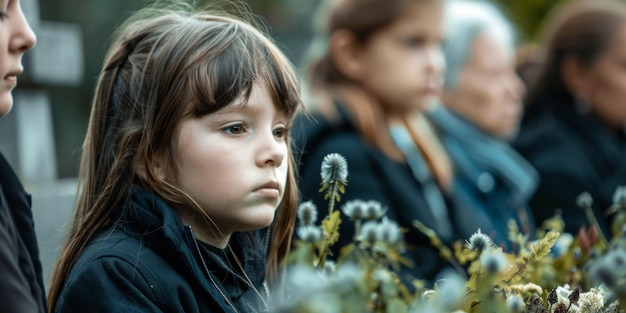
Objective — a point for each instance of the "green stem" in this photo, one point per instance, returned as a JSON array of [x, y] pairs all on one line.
[[333, 195], [357, 230]]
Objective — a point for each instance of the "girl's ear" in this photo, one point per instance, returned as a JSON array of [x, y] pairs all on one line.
[[345, 52], [575, 76], [156, 167]]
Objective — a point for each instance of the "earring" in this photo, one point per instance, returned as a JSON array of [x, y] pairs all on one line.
[[581, 102]]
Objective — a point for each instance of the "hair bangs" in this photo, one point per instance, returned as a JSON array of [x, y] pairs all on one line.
[[220, 74]]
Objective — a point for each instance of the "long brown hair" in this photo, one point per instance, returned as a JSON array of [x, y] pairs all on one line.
[[583, 29], [165, 65]]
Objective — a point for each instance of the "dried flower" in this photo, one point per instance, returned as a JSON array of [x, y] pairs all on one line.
[[560, 308], [355, 209], [591, 301], [307, 213], [515, 304], [553, 297], [310, 233], [619, 198], [478, 241], [584, 200], [334, 168], [388, 231], [574, 296]]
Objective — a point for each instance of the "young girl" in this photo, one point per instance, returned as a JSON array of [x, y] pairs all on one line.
[[186, 156], [375, 68]]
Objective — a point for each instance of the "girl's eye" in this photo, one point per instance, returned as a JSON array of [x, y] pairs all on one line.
[[236, 129], [280, 132], [414, 42]]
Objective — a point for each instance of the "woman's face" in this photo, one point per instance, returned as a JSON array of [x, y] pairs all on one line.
[[234, 164], [488, 92], [403, 63], [16, 37], [606, 83]]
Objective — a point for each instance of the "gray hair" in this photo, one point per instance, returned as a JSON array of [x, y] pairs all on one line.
[[465, 20]]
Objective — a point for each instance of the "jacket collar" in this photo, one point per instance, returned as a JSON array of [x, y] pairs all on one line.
[[163, 229]]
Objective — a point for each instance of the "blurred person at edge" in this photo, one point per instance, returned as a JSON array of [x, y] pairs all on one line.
[[373, 69], [482, 107], [573, 130], [21, 282]]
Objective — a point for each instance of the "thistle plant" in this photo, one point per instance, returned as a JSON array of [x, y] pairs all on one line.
[[555, 273]]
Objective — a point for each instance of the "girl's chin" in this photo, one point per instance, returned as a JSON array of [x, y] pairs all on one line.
[[6, 104], [258, 220]]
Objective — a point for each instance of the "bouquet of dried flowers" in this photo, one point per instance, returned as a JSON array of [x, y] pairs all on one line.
[[557, 273]]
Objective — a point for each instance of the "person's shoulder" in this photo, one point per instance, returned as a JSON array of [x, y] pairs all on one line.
[[116, 252]]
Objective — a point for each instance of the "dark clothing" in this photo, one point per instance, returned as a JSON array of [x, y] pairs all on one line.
[[371, 176], [491, 179], [573, 153], [21, 281], [150, 262]]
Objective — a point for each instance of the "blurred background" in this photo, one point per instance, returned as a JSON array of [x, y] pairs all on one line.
[[43, 135]]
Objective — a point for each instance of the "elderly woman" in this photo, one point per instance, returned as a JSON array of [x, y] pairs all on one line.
[[480, 113]]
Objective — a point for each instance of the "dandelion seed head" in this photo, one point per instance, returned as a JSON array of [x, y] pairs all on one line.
[[388, 231], [492, 261], [307, 213], [515, 304], [584, 200], [619, 197], [478, 241], [354, 209], [329, 267], [309, 233], [374, 210], [334, 168], [617, 257], [369, 232], [451, 290]]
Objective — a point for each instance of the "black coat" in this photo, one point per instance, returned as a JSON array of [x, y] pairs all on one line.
[[149, 262], [21, 282], [371, 176], [573, 153]]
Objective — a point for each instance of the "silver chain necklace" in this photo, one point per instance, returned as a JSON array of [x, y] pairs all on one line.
[[206, 269]]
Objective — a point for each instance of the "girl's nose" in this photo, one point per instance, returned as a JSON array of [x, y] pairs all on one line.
[[22, 38], [273, 150]]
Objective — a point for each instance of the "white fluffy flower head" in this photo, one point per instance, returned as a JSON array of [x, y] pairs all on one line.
[[334, 168], [307, 213], [478, 241]]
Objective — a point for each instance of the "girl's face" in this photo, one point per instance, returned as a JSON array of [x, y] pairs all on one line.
[[488, 91], [16, 37], [403, 63], [606, 82], [233, 163]]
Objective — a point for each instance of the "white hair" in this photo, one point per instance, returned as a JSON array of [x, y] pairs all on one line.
[[465, 20]]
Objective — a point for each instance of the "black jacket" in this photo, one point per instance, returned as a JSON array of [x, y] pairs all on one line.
[[149, 262], [573, 153], [371, 176], [21, 282]]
